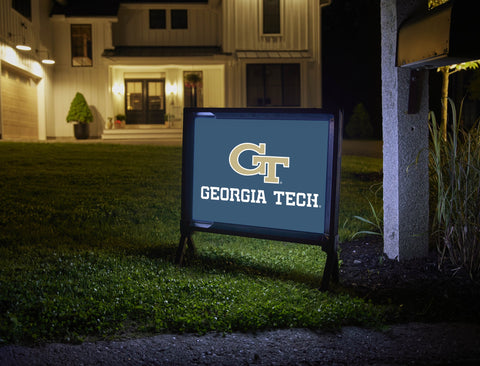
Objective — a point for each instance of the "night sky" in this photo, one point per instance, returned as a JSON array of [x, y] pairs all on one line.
[[351, 58]]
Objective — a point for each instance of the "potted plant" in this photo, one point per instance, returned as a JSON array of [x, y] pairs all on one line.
[[81, 115], [120, 120]]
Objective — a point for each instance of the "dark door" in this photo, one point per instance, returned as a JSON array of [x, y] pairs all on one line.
[[273, 85], [145, 101]]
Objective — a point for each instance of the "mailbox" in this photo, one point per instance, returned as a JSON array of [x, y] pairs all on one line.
[[446, 35]]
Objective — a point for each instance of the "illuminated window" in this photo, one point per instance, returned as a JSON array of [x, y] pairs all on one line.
[[81, 39]]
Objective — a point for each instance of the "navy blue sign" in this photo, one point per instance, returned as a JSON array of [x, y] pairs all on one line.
[[259, 172], [263, 173], [269, 173]]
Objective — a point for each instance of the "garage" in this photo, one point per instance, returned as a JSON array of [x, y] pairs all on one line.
[[19, 117]]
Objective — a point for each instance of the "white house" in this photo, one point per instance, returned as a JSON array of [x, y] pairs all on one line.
[[149, 60]]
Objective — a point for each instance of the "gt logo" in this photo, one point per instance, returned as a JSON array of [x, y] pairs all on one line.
[[262, 165]]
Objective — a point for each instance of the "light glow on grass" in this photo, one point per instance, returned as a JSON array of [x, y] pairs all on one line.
[[88, 238]]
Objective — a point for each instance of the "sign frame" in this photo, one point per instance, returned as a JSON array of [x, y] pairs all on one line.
[[327, 239]]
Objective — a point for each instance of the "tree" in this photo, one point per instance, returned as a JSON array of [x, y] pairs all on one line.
[[359, 125], [446, 72]]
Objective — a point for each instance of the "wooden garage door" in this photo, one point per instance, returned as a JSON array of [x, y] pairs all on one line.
[[19, 105]]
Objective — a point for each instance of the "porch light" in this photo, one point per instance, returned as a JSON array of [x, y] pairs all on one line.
[[172, 89], [118, 89]]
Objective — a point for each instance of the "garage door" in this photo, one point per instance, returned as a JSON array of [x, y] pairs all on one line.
[[19, 118]]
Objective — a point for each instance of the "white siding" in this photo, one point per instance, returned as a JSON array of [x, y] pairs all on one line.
[[133, 28], [213, 87], [36, 31], [300, 31], [242, 24], [93, 84], [92, 81]]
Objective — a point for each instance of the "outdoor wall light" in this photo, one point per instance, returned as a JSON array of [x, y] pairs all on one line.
[[118, 89], [21, 44], [23, 47], [45, 60], [172, 89]]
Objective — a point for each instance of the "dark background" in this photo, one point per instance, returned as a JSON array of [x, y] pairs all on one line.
[[351, 51], [351, 58]]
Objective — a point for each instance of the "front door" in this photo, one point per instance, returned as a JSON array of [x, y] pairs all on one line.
[[145, 101]]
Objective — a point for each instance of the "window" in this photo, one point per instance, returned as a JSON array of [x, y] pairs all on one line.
[[158, 19], [24, 7], [179, 19], [271, 17], [81, 45], [273, 85]]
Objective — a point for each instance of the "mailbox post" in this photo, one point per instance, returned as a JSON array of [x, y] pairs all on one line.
[[445, 36]]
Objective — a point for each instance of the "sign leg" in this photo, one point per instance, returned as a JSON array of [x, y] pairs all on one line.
[[331, 271], [185, 242]]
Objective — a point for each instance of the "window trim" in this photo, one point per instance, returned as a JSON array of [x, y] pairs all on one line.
[[282, 20]]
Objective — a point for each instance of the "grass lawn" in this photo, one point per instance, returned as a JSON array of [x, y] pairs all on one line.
[[88, 234]]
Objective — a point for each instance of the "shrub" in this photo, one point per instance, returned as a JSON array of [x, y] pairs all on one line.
[[455, 181], [79, 110], [359, 125]]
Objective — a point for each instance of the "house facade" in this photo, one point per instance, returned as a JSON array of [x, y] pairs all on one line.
[[143, 62]]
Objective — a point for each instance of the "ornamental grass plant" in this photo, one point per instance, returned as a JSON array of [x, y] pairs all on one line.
[[455, 186]]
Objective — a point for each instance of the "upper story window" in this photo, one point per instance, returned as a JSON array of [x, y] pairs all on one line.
[[179, 19], [271, 17], [158, 19], [81, 40], [24, 7], [168, 19]]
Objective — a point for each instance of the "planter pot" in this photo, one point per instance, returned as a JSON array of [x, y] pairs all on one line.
[[81, 131]]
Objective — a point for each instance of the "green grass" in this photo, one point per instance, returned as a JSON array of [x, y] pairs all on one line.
[[88, 234]]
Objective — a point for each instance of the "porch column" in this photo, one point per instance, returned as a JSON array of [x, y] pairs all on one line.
[[405, 138]]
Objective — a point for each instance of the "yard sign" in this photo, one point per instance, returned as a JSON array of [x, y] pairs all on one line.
[[265, 173]]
